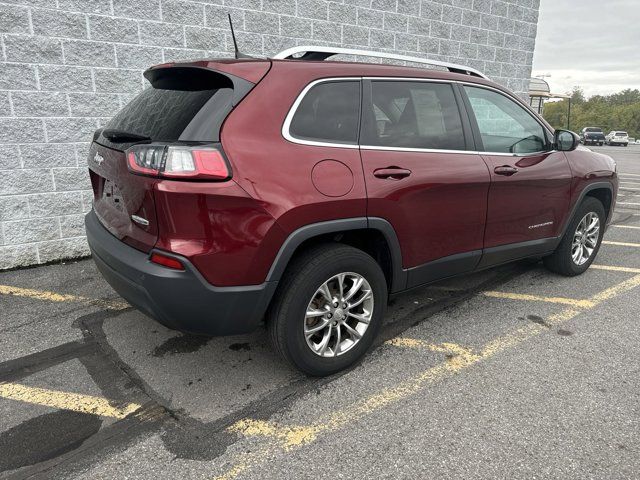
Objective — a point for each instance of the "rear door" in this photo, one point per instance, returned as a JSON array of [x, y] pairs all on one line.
[[186, 105], [530, 184], [423, 175]]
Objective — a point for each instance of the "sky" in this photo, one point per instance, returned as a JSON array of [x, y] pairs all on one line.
[[594, 44]]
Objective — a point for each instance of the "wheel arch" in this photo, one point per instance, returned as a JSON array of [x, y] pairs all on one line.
[[602, 191], [373, 235]]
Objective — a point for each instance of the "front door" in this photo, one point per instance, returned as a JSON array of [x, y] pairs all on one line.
[[423, 176], [530, 184]]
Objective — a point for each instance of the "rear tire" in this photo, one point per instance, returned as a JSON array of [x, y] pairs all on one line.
[[340, 338], [579, 246]]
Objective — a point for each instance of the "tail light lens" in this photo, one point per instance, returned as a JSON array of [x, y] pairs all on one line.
[[180, 162]]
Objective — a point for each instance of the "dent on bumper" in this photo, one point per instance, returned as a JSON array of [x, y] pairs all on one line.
[[182, 300]]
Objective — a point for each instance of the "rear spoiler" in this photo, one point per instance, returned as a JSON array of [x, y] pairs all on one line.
[[195, 77]]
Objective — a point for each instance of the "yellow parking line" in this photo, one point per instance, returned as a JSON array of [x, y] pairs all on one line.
[[626, 226], [537, 298], [287, 437], [57, 297], [622, 244], [616, 290], [66, 400], [616, 268]]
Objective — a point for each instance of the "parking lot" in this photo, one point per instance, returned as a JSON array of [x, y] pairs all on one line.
[[512, 372]]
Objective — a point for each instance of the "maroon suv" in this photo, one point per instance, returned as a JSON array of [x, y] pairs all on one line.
[[304, 192]]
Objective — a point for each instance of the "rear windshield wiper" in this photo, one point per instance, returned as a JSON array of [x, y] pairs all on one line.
[[120, 136]]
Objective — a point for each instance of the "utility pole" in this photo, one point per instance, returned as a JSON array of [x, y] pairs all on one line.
[[569, 116]]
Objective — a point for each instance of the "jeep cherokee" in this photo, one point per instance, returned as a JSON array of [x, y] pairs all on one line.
[[303, 192]]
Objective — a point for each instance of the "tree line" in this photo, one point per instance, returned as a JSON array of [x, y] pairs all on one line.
[[618, 111]]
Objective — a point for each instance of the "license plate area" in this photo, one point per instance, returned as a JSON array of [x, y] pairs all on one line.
[[112, 195]]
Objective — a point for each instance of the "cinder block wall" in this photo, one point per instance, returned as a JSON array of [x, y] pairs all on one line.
[[68, 65]]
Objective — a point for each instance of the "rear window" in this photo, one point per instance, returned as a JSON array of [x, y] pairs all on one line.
[[328, 113], [621, 134], [593, 130], [181, 110]]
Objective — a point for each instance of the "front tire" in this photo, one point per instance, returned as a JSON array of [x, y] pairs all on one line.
[[328, 309], [581, 242]]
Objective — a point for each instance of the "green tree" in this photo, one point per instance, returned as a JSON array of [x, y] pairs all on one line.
[[618, 111]]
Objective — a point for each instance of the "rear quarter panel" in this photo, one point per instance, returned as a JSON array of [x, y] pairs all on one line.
[[277, 173]]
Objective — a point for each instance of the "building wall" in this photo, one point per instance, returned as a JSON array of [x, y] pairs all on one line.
[[66, 66]]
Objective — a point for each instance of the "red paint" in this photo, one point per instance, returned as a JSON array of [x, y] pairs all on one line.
[[438, 210], [332, 178], [439, 203], [538, 193]]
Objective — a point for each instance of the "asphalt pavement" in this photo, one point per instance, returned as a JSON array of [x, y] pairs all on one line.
[[513, 372]]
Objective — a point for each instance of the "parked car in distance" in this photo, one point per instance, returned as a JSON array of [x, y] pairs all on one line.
[[592, 136], [305, 192], [617, 137]]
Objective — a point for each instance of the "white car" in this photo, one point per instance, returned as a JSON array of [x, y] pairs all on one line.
[[617, 137]]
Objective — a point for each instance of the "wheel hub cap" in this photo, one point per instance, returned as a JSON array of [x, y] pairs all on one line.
[[338, 314]]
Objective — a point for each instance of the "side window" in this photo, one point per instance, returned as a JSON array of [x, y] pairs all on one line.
[[504, 125], [329, 112], [413, 115]]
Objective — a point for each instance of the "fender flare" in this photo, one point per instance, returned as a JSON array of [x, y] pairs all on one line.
[[583, 194], [306, 232]]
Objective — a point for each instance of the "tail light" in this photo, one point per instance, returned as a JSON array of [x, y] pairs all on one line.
[[179, 162]]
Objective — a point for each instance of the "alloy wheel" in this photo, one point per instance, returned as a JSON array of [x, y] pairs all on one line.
[[585, 238], [338, 314]]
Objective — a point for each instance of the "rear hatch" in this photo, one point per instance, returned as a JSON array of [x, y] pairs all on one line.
[[186, 104]]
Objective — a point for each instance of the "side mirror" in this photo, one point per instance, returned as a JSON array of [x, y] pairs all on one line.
[[565, 141]]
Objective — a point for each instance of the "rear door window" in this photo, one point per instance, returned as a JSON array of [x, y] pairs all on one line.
[[407, 114], [328, 113], [505, 126]]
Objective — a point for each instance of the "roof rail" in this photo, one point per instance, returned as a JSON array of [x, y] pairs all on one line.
[[311, 52]]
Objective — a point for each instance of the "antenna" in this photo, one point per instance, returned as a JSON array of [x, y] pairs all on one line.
[[238, 53]]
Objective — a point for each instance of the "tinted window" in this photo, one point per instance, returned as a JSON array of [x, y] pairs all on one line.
[[329, 112], [505, 126], [413, 115], [594, 130], [164, 115]]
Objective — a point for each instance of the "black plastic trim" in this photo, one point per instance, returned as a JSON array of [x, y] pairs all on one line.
[[297, 237], [182, 300], [515, 251], [585, 190], [449, 266]]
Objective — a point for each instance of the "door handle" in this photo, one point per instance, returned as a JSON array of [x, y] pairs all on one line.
[[507, 170], [396, 173]]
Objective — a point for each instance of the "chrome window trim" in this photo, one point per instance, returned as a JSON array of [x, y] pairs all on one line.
[[290, 114], [285, 54], [292, 111]]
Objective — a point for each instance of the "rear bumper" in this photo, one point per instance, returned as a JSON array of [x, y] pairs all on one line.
[[182, 300]]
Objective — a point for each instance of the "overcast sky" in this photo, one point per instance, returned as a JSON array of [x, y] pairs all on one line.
[[591, 43]]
